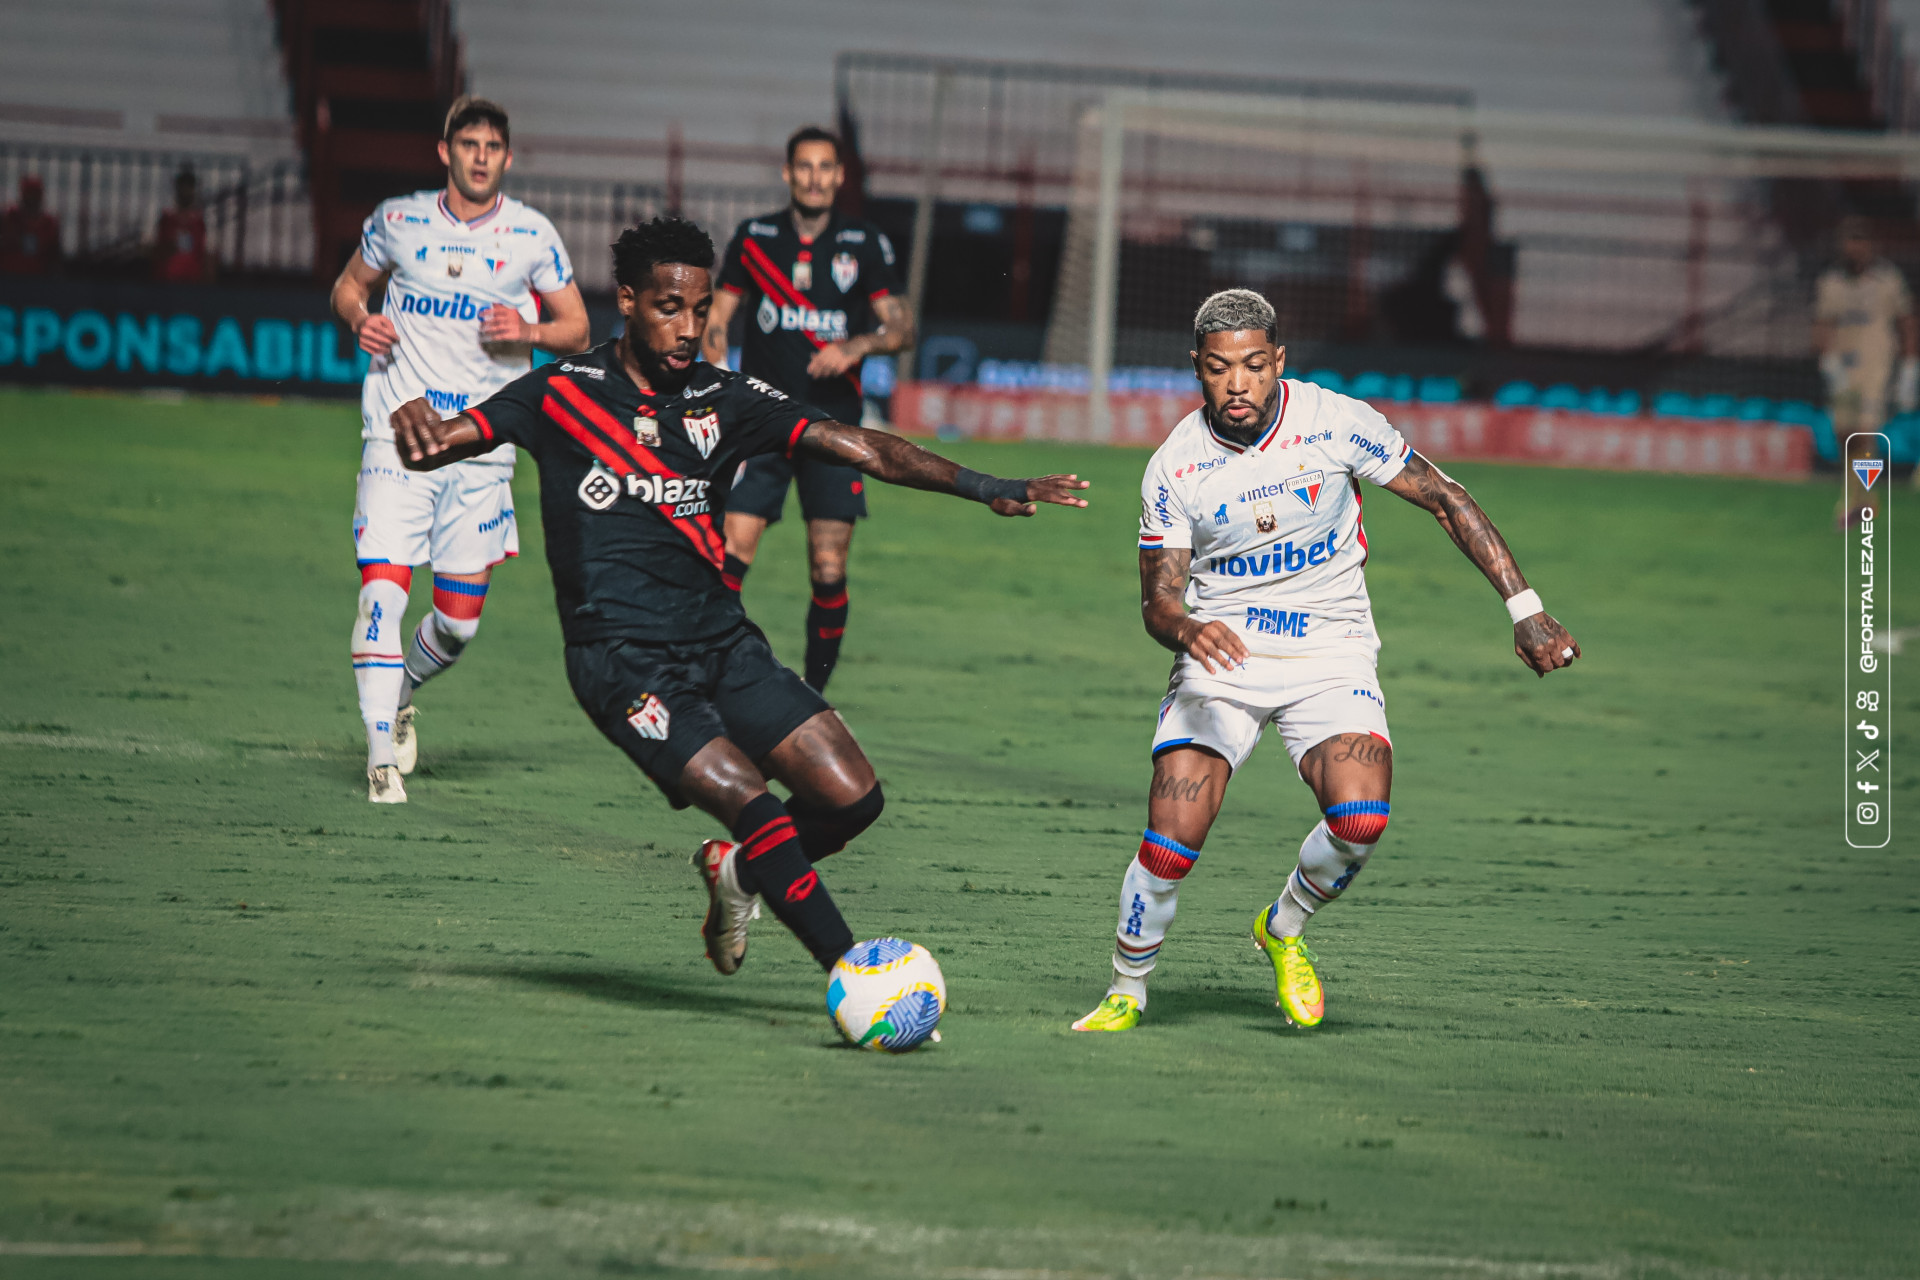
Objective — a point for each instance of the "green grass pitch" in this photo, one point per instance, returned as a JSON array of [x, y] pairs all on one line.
[[1613, 999]]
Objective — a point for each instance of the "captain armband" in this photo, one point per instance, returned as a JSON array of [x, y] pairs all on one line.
[[981, 487]]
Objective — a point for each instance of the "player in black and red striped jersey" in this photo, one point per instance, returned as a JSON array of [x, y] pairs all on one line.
[[820, 296], [636, 441]]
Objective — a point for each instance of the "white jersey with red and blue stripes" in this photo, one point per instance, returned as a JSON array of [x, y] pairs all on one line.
[[1275, 526], [444, 273]]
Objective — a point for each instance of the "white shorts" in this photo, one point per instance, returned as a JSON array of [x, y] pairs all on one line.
[[1308, 699], [460, 517]]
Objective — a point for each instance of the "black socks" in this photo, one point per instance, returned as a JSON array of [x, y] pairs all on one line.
[[774, 865], [826, 623]]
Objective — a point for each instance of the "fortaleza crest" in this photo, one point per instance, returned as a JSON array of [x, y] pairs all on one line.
[[649, 717], [704, 431], [846, 270], [647, 430], [1306, 487], [1868, 469]]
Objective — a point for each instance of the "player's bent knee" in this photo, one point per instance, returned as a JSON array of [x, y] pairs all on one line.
[[1358, 821], [825, 831]]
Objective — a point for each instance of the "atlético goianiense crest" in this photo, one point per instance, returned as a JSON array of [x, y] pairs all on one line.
[[1868, 469], [846, 270], [1306, 487], [704, 431]]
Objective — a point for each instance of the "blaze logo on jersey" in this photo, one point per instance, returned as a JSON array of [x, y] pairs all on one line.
[[1263, 517], [768, 315], [1868, 469], [647, 430], [846, 270], [649, 718], [704, 431], [1306, 487], [599, 489]]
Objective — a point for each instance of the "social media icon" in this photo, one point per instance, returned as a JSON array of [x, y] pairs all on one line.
[[1866, 813]]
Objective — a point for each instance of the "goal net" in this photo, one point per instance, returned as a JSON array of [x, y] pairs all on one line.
[[1426, 226]]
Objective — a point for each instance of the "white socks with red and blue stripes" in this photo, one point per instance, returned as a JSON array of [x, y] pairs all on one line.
[[1330, 857], [379, 664], [443, 635], [1149, 895]]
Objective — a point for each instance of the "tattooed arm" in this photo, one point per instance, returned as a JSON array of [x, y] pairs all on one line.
[[887, 457], [1539, 640], [1163, 607], [895, 332]]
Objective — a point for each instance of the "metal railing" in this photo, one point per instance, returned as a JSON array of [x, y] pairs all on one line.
[[109, 200]]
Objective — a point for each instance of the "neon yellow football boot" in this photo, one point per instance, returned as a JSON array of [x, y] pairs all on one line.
[[1299, 993], [1116, 1013]]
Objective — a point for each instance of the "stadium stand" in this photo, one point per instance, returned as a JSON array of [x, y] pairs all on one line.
[[572, 73], [205, 68]]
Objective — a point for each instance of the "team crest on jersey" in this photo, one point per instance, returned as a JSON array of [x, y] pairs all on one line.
[[768, 315], [846, 270], [1306, 487], [649, 718], [647, 430], [1263, 518], [599, 489], [704, 431], [1868, 469], [496, 265]]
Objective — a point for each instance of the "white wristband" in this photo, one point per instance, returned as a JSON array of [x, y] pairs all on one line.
[[1524, 605]]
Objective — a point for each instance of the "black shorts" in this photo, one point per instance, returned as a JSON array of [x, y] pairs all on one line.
[[828, 491], [661, 703]]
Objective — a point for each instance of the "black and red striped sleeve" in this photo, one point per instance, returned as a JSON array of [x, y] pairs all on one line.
[[763, 420], [733, 272], [877, 273], [512, 415]]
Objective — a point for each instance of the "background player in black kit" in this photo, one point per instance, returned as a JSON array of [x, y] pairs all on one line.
[[632, 439], [820, 296]]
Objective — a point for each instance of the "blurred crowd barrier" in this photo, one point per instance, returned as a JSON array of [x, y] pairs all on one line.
[[1547, 437]]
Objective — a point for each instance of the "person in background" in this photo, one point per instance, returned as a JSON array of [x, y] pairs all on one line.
[[180, 240], [29, 235], [1863, 326]]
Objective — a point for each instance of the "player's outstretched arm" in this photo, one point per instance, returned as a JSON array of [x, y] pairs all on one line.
[[896, 461], [1163, 607], [426, 443], [1540, 642]]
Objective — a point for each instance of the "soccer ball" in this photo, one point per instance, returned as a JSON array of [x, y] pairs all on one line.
[[887, 994]]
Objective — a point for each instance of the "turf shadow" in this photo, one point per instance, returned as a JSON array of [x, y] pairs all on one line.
[[642, 990]]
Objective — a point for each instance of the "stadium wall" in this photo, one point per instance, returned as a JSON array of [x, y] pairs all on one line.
[[1447, 431], [134, 334]]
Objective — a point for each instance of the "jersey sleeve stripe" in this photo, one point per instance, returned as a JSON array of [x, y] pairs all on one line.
[[480, 421], [731, 288], [794, 439]]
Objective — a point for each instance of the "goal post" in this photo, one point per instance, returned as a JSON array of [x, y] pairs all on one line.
[[1627, 233]]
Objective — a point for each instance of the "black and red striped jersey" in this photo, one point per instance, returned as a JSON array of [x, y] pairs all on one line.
[[628, 492], [799, 295]]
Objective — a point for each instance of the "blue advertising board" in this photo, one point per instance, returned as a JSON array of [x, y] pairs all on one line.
[[198, 337]]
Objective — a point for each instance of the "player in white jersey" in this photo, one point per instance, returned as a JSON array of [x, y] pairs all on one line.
[[1251, 558], [462, 269]]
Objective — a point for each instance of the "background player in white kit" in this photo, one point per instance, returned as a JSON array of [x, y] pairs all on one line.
[[461, 269], [1251, 555]]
